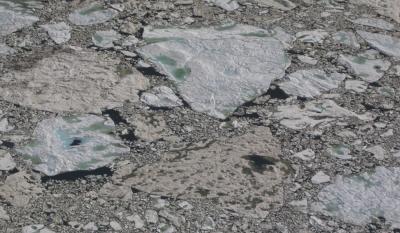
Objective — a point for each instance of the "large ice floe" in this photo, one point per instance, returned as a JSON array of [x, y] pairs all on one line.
[[15, 15], [66, 144], [243, 173], [218, 69], [359, 199], [73, 81]]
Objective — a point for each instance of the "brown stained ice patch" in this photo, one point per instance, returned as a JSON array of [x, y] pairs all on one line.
[[389, 8], [73, 82], [360, 198], [243, 174], [218, 69], [18, 189]]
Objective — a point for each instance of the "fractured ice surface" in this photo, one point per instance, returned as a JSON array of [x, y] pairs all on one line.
[[91, 14], [243, 174], [66, 144], [386, 44], [15, 15], [315, 36], [73, 82], [314, 113], [161, 97], [377, 23], [218, 69], [360, 198], [311, 83], [6, 50], [369, 70]]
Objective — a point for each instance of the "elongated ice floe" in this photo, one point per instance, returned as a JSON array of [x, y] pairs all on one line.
[[386, 44], [218, 69]]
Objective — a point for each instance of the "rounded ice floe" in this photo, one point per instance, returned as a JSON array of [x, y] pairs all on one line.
[[66, 144], [105, 39], [218, 69], [73, 82]]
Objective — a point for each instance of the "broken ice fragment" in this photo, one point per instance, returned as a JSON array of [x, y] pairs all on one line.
[[314, 113], [229, 5], [105, 39], [59, 32], [161, 97], [340, 151], [346, 38], [378, 151], [359, 199], [310, 83], [6, 161], [369, 70], [356, 85], [315, 36], [388, 45], [66, 144], [73, 82], [377, 23], [6, 50], [243, 174], [15, 15], [94, 13], [284, 5], [217, 69]]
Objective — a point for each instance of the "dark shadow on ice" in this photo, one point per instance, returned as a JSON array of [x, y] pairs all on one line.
[[71, 176]]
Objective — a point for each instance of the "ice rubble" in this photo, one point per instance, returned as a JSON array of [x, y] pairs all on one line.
[[73, 81], [65, 144], [218, 69]]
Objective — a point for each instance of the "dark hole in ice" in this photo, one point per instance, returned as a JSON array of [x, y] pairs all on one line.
[[7, 144], [151, 71], [76, 142], [71, 176], [276, 93], [259, 163], [115, 116]]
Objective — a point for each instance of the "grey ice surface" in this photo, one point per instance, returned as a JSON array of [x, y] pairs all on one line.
[[94, 13], [161, 97], [58, 32], [384, 43], [229, 5]]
